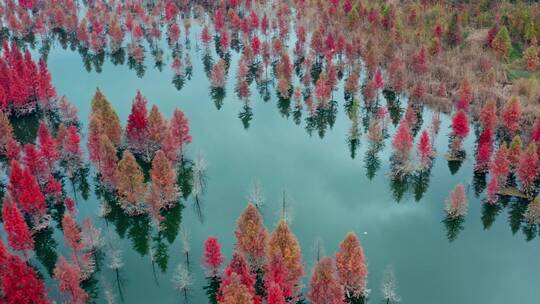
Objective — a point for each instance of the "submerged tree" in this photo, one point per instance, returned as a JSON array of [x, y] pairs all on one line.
[[164, 190], [69, 278], [456, 205], [20, 283], [251, 236], [351, 267], [283, 242], [18, 233], [137, 126], [402, 142], [527, 169], [389, 287], [235, 292], [324, 287], [130, 185], [511, 115], [425, 150]]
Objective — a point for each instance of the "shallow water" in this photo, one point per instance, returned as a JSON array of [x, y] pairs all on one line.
[[327, 194]]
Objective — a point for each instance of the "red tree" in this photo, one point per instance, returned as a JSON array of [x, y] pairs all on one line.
[[511, 114], [425, 150], [275, 295], [239, 268], [72, 232], [20, 283], [324, 287], [47, 146], [25, 190], [18, 233], [35, 162], [45, 88], [402, 142], [276, 273], [488, 115], [137, 126], [460, 124], [69, 277], [484, 151], [179, 135], [234, 292], [213, 258], [536, 132], [528, 168], [500, 165], [351, 266], [465, 95]]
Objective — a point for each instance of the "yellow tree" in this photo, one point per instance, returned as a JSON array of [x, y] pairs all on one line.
[[283, 242], [108, 117], [163, 189], [251, 236], [130, 185], [157, 126]]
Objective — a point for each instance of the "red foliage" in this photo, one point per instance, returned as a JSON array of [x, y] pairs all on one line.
[[351, 265], [69, 277], [179, 128], [47, 145], [536, 132], [20, 283], [35, 162], [45, 88], [25, 190], [460, 124], [488, 115], [378, 80], [492, 190], [419, 61], [484, 151], [276, 273], [500, 165], [425, 150], [137, 126], [213, 258], [18, 233], [465, 95], [324, 287], [237, 267], [511, 114], [232, 291], [251, 235], [275, 295], [528, 168], [402, 142], [206, 37], [456, 205], [72, 232]]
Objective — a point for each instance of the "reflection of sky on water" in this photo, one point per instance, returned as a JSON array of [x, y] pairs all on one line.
[[328, 192]]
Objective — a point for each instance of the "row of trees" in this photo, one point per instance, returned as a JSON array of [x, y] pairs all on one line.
[[268, 267], [24, 84]]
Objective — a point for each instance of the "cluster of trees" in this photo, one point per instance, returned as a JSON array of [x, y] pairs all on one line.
[[268, 268], [24, 84], [37, 167], [149, 139]]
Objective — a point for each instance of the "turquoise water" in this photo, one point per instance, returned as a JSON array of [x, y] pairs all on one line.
[[327, 194]]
